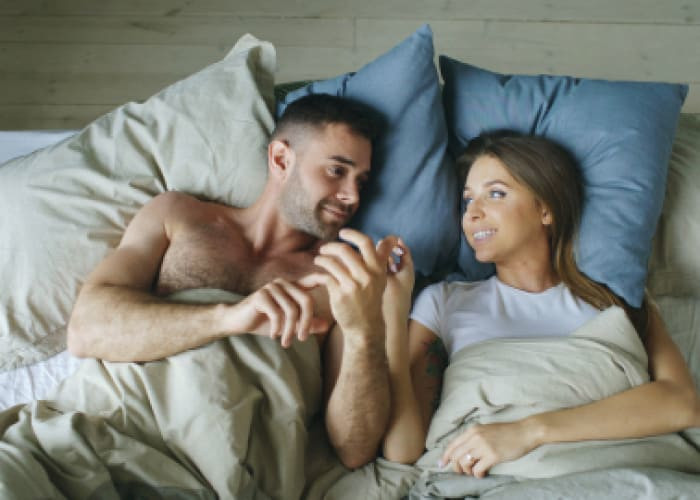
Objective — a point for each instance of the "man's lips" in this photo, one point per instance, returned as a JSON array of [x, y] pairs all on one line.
[[337, 212]]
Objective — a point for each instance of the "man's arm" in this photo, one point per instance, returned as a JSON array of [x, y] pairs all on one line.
[[356, 379], [117, 318]]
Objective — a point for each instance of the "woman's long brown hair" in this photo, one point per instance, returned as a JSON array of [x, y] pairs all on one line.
[[552, 175]]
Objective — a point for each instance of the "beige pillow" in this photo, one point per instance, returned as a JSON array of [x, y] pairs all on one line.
[[674, 267], [63, 208]]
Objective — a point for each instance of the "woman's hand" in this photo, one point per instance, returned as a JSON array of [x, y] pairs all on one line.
[[396, 300], [482, 446]]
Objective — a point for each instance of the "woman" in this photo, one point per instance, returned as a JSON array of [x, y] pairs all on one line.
[[523, 198]]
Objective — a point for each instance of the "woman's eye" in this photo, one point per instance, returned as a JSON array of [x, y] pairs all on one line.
[[497, 194], [467, 200]]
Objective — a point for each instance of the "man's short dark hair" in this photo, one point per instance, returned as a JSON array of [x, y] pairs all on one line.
[[318, 110]]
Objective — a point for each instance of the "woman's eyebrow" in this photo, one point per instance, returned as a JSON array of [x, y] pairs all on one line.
[[489, 184]]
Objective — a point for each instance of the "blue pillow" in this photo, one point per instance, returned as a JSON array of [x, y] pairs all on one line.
[[413, 189], [620, 133]]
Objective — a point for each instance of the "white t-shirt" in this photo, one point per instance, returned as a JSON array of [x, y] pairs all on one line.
[[463, 313]]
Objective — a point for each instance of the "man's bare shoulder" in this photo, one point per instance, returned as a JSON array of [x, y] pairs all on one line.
[[173, 200], [176, 208]]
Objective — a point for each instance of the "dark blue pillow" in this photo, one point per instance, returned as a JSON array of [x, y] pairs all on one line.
[[413, 189], [620, 133]]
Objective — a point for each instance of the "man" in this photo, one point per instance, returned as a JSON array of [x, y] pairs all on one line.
[[277, 252]]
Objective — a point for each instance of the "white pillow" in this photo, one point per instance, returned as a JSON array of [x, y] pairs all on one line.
[[64, 207]]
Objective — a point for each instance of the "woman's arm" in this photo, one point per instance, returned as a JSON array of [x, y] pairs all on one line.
[[415, 373], [668, 403]]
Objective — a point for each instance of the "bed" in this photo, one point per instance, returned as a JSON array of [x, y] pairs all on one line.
[[146, 429]]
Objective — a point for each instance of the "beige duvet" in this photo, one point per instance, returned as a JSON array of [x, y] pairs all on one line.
[[241, 418]]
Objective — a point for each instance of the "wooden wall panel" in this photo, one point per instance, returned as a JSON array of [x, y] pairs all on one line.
[[65, 62]]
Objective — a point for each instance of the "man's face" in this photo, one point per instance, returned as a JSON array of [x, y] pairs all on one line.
[[322, 191]]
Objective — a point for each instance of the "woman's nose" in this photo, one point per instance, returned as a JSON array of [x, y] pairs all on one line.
[[474, 209]]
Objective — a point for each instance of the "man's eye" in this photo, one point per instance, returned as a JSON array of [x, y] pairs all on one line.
[[336, 171]]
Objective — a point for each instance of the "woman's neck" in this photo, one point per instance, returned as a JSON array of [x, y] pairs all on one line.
[[528, 276]]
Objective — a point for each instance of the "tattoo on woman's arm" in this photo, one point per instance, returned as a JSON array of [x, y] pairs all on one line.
[[436, 361]]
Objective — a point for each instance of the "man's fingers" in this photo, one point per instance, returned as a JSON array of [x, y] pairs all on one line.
[[335, 269], [318, 325], [366, 247], [267, 306], [279, 292], [305, 306], [313, 280], [352, 261]]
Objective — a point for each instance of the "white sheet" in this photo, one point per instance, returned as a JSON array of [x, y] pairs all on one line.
[[21, 142], [35, 381]]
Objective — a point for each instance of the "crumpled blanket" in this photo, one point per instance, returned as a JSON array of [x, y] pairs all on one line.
[[507, 379], [232, 419]]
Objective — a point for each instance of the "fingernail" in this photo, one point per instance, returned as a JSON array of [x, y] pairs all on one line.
[[398, 251], [393, 268]]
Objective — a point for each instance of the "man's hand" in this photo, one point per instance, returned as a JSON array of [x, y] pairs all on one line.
[[355, 281], [280, 309]]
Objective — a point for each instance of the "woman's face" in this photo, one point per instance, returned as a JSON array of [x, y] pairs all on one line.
[[504, 223]]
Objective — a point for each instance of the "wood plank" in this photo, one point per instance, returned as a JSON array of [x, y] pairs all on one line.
[[32, 88], [116, 88], [599, 51], [293, 63], [221, 31], [614, 51], [45, 116], [602, 11]]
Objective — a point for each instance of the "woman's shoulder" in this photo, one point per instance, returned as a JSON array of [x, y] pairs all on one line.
[[450, 287]]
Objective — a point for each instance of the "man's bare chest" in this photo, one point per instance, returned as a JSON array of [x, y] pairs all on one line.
[[216, 256]]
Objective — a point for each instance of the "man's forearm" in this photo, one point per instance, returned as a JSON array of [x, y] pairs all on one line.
[[358, 408], [121, 324]]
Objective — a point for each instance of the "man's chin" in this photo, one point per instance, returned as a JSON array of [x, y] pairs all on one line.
[[330, 232]]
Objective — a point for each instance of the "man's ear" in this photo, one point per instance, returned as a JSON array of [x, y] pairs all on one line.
[[280, 158]]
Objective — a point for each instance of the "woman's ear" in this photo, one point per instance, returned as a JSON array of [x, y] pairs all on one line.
[[280, 158], [546, 216]]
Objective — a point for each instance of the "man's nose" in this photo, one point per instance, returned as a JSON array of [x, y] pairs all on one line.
[[349, 193]]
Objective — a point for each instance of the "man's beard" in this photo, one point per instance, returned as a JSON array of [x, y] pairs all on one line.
[[298, 214]]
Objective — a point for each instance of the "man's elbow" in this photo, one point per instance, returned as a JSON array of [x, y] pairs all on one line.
[[694, 409], [352, 453], [355, 459], [76, 337]]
